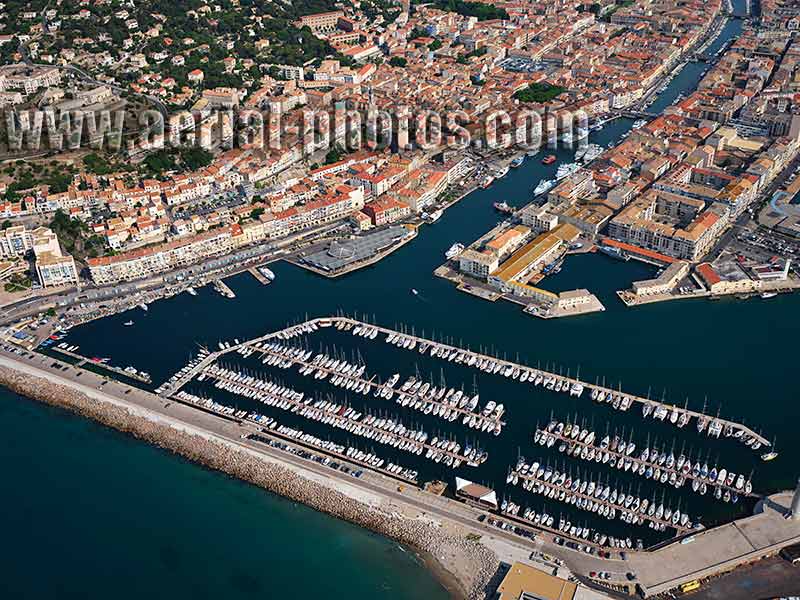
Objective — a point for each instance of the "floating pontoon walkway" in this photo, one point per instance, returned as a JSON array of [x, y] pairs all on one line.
[[473, 358]]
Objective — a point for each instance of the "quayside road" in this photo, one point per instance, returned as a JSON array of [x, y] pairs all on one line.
[[711, 551]]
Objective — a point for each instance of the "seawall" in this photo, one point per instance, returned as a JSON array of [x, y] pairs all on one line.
[[463, 566]]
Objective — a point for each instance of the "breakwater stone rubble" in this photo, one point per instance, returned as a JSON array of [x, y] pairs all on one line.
[[463, 565]]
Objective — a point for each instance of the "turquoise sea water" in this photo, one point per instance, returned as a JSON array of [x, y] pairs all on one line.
[[89, 509], [90, 513]]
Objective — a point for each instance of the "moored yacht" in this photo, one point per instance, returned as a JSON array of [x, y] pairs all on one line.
[[544, 186], [454, 251], [566, 169]]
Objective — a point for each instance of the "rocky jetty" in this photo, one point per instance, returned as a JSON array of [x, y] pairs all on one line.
[[465, 566]]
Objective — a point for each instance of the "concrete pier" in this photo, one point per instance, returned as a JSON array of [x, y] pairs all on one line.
[[620, 508], [462, 412], [720, 549], [314, 324], [702, 554], [82, 360], [637, 462], [259, 277], [369, 431]]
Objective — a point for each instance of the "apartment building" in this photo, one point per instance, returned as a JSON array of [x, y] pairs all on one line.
[[578, 186], [52, 266], [28, 80], [664, 282], [377, 184], [421, 188], [521, 265], [478, 264], [539, 218], [53, 270], [386, 210], [146, 262], [339, 203], [15, 241], [507, 241], [650, 222], [222, 97], [324, 22]]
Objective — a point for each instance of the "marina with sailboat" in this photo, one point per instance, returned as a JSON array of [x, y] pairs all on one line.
[[330, 387]]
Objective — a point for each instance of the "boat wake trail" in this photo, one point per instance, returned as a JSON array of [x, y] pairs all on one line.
[[419, 296]]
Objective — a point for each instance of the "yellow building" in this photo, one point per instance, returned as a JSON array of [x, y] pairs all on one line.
[[508, 240], [664, 283], [732, 282], [532, 255], [523, 581]]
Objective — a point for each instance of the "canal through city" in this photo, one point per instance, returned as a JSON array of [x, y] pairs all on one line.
[[732, 356]]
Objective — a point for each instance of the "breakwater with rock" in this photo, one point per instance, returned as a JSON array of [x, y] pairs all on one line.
[[464, 566]]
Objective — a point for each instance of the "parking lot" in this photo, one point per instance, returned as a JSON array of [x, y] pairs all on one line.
[[507, 526], [770, 578], [761, 246], [208, 204], [521, 65]]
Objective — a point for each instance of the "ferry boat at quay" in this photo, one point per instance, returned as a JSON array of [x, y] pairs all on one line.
[[613, 252], [267, 273]]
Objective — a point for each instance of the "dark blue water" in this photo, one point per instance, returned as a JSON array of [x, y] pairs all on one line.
[[685, 81], [90, 513], [728, 355]]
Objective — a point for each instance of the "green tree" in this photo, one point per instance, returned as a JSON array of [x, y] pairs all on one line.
[[96, 164], [334, 154], [484, 12], [195, 158], [539, 92]]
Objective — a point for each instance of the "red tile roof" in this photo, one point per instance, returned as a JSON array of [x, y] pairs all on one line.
[[652, 254], [707, 272]]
